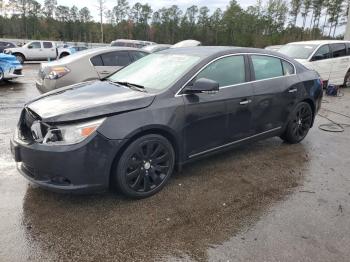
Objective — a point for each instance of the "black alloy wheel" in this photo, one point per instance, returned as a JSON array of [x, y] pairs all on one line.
[[145, 166], [299, 123]]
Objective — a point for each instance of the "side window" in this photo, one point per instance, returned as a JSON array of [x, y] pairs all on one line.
[[338, 50], [47, 45], [322, 53], [116, 59], [226, 71], [137, 55], [266, 67], [96, 61], [288, 68], [35, 45]]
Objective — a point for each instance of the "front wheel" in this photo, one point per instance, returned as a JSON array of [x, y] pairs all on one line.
[[20, 58], [299, 124], [145, 166]]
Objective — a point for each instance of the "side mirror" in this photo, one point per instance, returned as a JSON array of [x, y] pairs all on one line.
[[203, 85], [30, 47], [317, 57]]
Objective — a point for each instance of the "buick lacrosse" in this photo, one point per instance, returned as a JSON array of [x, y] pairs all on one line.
[[131, 130]]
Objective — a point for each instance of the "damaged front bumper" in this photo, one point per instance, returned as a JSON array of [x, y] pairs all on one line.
[[80, 168]]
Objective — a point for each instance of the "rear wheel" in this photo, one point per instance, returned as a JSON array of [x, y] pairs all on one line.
[[347, 80], [299, 124], [20, 58], [145, 166], [63, 55]]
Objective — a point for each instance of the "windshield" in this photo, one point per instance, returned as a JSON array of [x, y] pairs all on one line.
[[156, 71], [298, 51]]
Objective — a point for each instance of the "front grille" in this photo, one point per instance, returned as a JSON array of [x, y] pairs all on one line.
[[31, 128], [17, 71], [25, 123], [28, 170]]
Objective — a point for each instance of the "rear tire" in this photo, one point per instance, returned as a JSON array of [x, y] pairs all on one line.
[[347, 80], [299, 124], [63, 55], [20, 58], [145, 166]]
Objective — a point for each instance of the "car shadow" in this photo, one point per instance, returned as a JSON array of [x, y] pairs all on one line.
[[207, 203]]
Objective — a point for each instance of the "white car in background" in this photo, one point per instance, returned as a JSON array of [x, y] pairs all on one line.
[[330, 58], [34, 51]]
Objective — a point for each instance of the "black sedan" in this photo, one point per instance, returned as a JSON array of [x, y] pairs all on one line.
[[132, 129]]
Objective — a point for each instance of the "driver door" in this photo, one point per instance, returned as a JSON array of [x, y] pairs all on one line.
[[215, 119], [35, 51], [322, 62]]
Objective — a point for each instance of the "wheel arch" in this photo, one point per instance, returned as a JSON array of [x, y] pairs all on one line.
[[63, 54], [153, 129], [19, 53]]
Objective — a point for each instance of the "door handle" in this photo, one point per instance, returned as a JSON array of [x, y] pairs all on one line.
[[292, 90], [105, 72], [245, 102]]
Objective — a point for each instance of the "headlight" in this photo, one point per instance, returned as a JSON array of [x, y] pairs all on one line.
[[58, 72], [71, 134]]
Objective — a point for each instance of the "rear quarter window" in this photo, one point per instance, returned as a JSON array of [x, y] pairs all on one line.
[[96, 61]]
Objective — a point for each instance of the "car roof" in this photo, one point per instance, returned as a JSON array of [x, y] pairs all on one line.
[[208, 51], [319, 42]]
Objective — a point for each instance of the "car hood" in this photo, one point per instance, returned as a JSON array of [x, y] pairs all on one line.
[[88, 100], [9, 59]]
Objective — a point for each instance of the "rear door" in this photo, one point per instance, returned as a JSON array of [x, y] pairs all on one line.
[[322, 61], [341, 63], [49, 50], [111, 62], [275, 92]]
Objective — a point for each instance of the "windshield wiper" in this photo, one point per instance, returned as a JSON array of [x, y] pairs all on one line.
[[131, 85]]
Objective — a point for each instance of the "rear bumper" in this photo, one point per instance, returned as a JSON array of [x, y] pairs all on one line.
[[80, 168], [45, 85]]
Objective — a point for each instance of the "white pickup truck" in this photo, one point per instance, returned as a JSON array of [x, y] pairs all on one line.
[[34, 51]]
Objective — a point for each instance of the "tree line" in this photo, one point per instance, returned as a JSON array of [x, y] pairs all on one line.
[[274, 22]]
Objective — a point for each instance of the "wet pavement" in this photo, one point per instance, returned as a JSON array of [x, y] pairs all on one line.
[[267, 201]]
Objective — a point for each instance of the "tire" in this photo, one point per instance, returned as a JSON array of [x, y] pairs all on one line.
[[299, 124], [20, 58], [63, 55], [144, 167], [347, 80]]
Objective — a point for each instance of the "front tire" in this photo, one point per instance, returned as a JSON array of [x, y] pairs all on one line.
[[299, 124], [20, 58], [145, 166]]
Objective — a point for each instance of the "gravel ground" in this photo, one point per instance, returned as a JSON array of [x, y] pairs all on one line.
[[267, 201]]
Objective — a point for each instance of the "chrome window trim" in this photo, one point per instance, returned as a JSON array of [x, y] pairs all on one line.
[[177, 94], [234, 142]]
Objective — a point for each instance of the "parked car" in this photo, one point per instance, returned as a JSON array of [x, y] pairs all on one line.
[[10, 68], [166, 109], [68, 50], [186, 43], [273, 47], [34, 51], [330, 58], [91, 64], [131, 43], [156, 48], [6, 44]]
